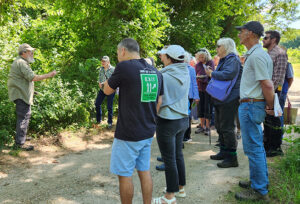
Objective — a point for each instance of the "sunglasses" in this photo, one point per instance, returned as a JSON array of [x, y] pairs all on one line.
[[266, 38]]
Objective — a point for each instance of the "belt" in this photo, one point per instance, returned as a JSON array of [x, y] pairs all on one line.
[[251, 100]]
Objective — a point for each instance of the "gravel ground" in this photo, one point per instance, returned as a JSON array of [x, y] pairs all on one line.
[[74, 168]]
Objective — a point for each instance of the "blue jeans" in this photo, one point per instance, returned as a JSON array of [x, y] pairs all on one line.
[[169, 134], [98, 102], [251, 116]]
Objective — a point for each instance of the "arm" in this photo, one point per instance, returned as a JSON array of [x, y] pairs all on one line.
[[44, 76], [268, 92], [107, 89], [195, 86], [228, 70], [290, 81], [159, 102], [279, 70]]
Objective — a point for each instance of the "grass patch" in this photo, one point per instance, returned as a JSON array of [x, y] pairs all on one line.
[[284, 175], [296, 68]]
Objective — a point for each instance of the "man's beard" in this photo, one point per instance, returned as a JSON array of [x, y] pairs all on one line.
[[30, 59]]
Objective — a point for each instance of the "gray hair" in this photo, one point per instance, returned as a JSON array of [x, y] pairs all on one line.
[[229, 45], [130, 45], [187, 57], [206, 53]]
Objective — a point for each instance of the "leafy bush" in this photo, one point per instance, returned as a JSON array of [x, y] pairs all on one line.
[[286, 175]]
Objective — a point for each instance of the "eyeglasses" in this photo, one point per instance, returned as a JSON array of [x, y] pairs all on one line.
[[266, 38]]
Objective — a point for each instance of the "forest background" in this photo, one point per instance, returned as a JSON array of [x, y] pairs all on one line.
[[71, 36]]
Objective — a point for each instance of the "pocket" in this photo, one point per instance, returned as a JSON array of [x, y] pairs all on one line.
[[258, 113]]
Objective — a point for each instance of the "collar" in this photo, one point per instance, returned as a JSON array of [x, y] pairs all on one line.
[[249, 52]]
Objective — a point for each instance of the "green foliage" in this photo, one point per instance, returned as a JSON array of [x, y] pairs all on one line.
[[286, 175]]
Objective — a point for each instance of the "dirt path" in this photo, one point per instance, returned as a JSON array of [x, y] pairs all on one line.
[[74, 168]]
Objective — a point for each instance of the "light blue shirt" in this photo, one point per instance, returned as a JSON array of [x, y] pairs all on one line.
[[258, 66], [193, 91]]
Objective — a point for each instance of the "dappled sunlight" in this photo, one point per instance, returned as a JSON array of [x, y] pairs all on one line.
[[3, 175], [63, 200], [63, 166]]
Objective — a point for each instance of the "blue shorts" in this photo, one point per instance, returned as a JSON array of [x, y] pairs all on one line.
[[126, 156]]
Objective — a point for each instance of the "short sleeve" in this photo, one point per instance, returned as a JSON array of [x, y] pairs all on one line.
[[115, 80], [260, 67], [27, 72], [289, 71]]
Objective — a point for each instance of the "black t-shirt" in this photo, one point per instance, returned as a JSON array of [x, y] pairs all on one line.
[[139, 84]]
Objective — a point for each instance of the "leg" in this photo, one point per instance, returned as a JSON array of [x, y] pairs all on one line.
[[98, 102], [110, 100], [165, 134], [126, 189], [251, 116], [179, 155], [23, 111], [146, 185]]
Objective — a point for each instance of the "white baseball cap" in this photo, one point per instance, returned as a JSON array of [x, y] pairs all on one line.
[[174, 51]]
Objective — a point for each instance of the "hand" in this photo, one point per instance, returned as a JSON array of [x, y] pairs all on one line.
[[197, 101], [53, 73], [269, 110], [208, 72]]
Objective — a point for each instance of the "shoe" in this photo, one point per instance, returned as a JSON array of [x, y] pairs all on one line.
[[160, 167], [23, 147], [159, 159], [180, 194], [199, 130], [220, 156], [251, 195], [229, 161], [163, 199], [109, 126], [207, 132], [245, 184], [217, 145], [28, 138], [274, 153], [187, 140]]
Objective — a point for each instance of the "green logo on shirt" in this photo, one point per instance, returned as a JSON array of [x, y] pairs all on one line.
[[149, 90]]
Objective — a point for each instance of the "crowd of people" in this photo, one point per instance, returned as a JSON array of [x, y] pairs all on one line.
[[160, 101]]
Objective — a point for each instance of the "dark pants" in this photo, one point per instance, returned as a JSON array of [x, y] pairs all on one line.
[[205, 105], [225, 124], [23, 111], [98, 102], [187, 134], [169, 134], [272, 131]]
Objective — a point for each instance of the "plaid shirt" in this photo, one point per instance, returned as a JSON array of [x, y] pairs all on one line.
[[104, 75], [279, 58]]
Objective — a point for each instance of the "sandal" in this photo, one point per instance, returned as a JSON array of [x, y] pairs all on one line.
[[163, 200], [180, 194]]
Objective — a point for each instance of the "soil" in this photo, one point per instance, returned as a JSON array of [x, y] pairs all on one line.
[[73, 167]]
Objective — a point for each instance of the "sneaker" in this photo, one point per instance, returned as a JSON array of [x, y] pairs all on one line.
[[109, 126], [159, 159], [160, 167], [207, 131], [199, 130], [181, 193], [23, 147], [187, 140], [245, 184], [251, 195]]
